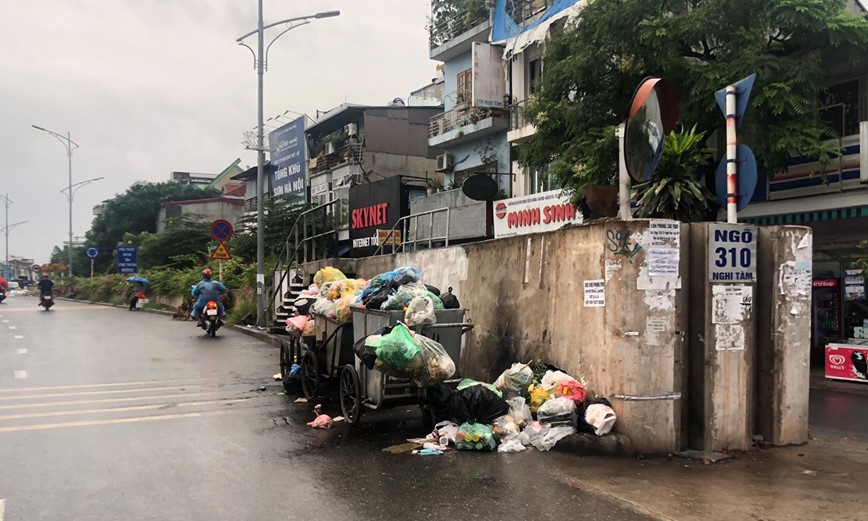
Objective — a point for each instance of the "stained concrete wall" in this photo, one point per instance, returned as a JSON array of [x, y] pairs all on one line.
[[784, 334]]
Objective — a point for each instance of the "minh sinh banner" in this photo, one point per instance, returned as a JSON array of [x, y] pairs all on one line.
[[288, 159], [535, 213]]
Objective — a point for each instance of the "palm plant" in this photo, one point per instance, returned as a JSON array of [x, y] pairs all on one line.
[[674, 190]]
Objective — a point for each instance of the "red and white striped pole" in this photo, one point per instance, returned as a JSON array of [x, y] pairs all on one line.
[[731, 157]]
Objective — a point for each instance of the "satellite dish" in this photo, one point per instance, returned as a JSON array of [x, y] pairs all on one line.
[[398, 101], [653, 113], [480, 187]]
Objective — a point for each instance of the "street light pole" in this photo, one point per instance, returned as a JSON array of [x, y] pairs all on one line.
[[70, 146], [260, 63], [6, 203]]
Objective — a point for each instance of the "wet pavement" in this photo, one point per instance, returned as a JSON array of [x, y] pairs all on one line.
[[107, 414]]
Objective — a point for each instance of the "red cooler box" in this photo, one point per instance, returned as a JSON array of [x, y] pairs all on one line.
[[847, 362]]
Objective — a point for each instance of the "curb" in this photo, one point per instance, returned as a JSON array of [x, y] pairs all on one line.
[[262, 336], [119, 306], [611, 445]]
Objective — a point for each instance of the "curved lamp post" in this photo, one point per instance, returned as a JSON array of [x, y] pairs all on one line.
[[260, 64]]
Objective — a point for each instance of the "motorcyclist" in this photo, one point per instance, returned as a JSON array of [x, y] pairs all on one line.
[[206, 290], [4, 285], [46, 285]]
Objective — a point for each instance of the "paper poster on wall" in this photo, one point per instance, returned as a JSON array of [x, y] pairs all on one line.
[[729, 337], [795, 281], [611, 267], [595, 293], [730, 304], [656, 324]]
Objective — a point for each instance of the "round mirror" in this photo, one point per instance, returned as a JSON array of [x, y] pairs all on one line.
[[653, 113]]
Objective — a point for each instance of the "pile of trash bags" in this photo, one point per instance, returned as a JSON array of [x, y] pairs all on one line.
[[529, 405], [332, 294], [401, 353]]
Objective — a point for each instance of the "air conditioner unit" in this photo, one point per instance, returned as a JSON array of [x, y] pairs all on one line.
[[444, 163], [329, 149], [351, 129]]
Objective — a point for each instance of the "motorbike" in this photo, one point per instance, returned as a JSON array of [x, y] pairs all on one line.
[[2, 294], [210, 321], [47, 301]]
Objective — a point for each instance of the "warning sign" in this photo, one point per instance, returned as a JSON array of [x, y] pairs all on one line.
[[221, 252]]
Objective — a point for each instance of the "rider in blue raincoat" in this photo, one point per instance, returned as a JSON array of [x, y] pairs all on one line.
[[206, 290]]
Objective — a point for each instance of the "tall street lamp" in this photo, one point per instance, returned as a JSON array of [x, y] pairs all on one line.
[[6, 203], [260, 64], [70, 146]]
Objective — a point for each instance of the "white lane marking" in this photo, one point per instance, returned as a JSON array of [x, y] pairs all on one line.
[[21, 351], [108, 400], [19, 337], [12, 327], [189, 381], [2, 508], [45, 426], [5, 321], [221, 401], [87, 393], [20, 375]]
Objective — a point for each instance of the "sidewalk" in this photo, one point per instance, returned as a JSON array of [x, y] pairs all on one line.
[[822, 480]]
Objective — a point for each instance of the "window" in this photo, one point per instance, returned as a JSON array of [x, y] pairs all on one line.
[[465, 86], [839, 107], [534, 74]]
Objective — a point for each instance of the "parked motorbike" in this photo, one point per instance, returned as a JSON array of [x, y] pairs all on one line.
[[211, 319], [46, 301]]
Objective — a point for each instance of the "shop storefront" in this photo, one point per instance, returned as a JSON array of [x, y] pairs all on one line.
[[374, 208]]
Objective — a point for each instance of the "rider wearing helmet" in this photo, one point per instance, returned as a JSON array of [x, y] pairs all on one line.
[[206, 290]]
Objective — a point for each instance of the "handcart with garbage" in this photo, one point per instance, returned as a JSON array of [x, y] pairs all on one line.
[[364, 386]]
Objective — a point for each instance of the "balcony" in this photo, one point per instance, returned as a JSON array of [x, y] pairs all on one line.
[[348, 152], [451, 33], [520, 127], [452, 126]]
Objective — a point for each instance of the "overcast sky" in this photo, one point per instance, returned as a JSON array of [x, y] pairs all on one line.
[[147, 87]]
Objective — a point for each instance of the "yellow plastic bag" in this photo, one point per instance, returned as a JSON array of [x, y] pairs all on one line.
[[328, 274], [538, 396]]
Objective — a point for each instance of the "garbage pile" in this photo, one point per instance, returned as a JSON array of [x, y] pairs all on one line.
[[529, 405]]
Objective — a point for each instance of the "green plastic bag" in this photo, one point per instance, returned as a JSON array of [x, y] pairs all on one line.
[[397, 350], [475, 436]]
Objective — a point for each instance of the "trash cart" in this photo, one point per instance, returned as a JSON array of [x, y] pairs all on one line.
[[330, 350], [362, 388]]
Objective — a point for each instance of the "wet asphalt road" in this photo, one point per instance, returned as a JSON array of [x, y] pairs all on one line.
[[107, 414]]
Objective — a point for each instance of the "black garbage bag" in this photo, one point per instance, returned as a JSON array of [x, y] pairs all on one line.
[[449, 300], [476, 404], [378, 297], [433, 289], [581, 424], [367, 357]]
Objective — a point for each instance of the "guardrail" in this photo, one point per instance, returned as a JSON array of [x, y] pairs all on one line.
[[404, 223]]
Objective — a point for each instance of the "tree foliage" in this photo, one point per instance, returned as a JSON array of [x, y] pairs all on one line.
[[183, 244], [592, 68], [135, 211]]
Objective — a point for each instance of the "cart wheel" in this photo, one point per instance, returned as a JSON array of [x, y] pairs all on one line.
[[428, 420], [285, 367], [309, 375], [350, 395]]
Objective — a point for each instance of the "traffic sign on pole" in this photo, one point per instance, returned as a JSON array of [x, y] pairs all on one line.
[[92, 252], [221, 253], [221, 230]]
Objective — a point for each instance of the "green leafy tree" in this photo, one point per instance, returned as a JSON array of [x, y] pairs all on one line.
[[183, 244], [280, 214], [135, 211], [592, 68], [80, 260]]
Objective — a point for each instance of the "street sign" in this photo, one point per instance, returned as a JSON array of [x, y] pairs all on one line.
[[746, 181], [35, 267], [221, 253], [92, 252], [731, 253], [742, 95], [128, 259], [221, 230]]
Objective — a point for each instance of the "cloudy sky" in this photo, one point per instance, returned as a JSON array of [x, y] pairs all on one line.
[[147, 87]]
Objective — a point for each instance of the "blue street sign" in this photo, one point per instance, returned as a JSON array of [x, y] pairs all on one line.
[[128, 259], [6, 272], [746, 178], [92, 252], [742, 95]]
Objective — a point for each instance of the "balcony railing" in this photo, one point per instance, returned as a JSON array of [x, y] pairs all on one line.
[[448, 21], [517, 119], [347, 152], [523, 11], [460, 117]]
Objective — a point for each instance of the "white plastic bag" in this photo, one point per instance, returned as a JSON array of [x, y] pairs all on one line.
[[420, 312], [602, 417], [520, 411], [505, 427], [516, 378], [438, 367], [553, 379], [551, 437], [511, 445], [557, 411], [446, 432]]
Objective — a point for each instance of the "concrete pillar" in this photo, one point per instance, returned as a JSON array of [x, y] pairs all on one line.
[[784, 334], [721, 346]]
